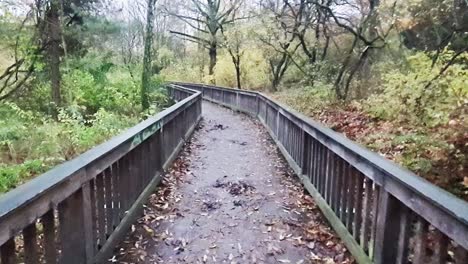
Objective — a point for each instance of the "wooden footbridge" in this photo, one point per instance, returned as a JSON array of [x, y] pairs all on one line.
[[81, 210]]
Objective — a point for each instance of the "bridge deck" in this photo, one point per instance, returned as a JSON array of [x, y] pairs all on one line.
[[225, 201]]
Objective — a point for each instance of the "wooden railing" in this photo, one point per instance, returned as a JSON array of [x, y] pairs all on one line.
[[78, 211], [383, 213]]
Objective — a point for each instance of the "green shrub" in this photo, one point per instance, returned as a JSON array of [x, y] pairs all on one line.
[[254, 70], [32, 144], [182, 72], [12, 175], [418, 151], [407, 96], [309, 99]]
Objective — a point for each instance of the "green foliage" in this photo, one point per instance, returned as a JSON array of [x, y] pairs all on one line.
[[408, 96], [415, 150], [13, 175], [309, 99], [101, 98], [164, 58], [254, 70], [426, 23], [182, 72], [31, 144]]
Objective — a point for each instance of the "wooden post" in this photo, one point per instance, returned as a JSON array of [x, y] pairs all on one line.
[[50, 248], [305, 145], [30, 244], [75, 228], [388, 229], [7, 252], [277, 124], [257, 101]]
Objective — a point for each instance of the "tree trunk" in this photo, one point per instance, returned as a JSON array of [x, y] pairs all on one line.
[[147, 56], [53, 52], [236, 61], [238, 75], [275, 82], [213, 52], [460, 14], [374, 18], [341, 74]]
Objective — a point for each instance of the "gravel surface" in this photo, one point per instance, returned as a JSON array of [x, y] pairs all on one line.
[[230, 198]]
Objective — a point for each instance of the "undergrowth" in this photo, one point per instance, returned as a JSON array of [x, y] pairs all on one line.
[[422, 130]]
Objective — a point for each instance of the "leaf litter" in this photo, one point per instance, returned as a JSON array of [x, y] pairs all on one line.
[[225, 203]]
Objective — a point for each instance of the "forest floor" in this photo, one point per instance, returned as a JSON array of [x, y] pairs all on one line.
[[231, 198]]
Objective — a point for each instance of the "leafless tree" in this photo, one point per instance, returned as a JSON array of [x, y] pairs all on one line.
[[206, 19], [280, 28]]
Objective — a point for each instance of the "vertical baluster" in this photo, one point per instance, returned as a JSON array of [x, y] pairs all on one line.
[[292, 141], [87, 228], [461, 255], [158, 153], [281, 130], [366, 214], [375, 212], [358, 205], [440, 248], [305, 155], [325, 174], [149, 153], [50, 248], [420, 241], [299, 142], [344, 190], [275, 130], [101, 215], [287, 129], [296, 145], [339, 183], [310, 160], [321, 177], [350, 196], [329, 176], [92, 195], [323, 170], [7, 252], [334, 180], [404, 236], [142, 158], [123, 187], [73, 235], [108, 201], [315, 158], [151, 156], [116, 194], [30, 244], [388, 228], [314, 163], [133, 164]]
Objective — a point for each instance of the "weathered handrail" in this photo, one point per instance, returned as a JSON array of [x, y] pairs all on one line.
[[384, 213], [78, 211]]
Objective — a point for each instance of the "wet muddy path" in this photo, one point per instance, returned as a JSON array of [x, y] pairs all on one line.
[[230, 198]]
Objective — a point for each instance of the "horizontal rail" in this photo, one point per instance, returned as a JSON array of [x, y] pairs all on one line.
[[383, 212], [78, 211]]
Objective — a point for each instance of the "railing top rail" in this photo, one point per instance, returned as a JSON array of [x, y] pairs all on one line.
[[439, 197], [35, 188]]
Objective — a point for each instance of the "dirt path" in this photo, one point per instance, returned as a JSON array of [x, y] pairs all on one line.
[[230, 198]]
